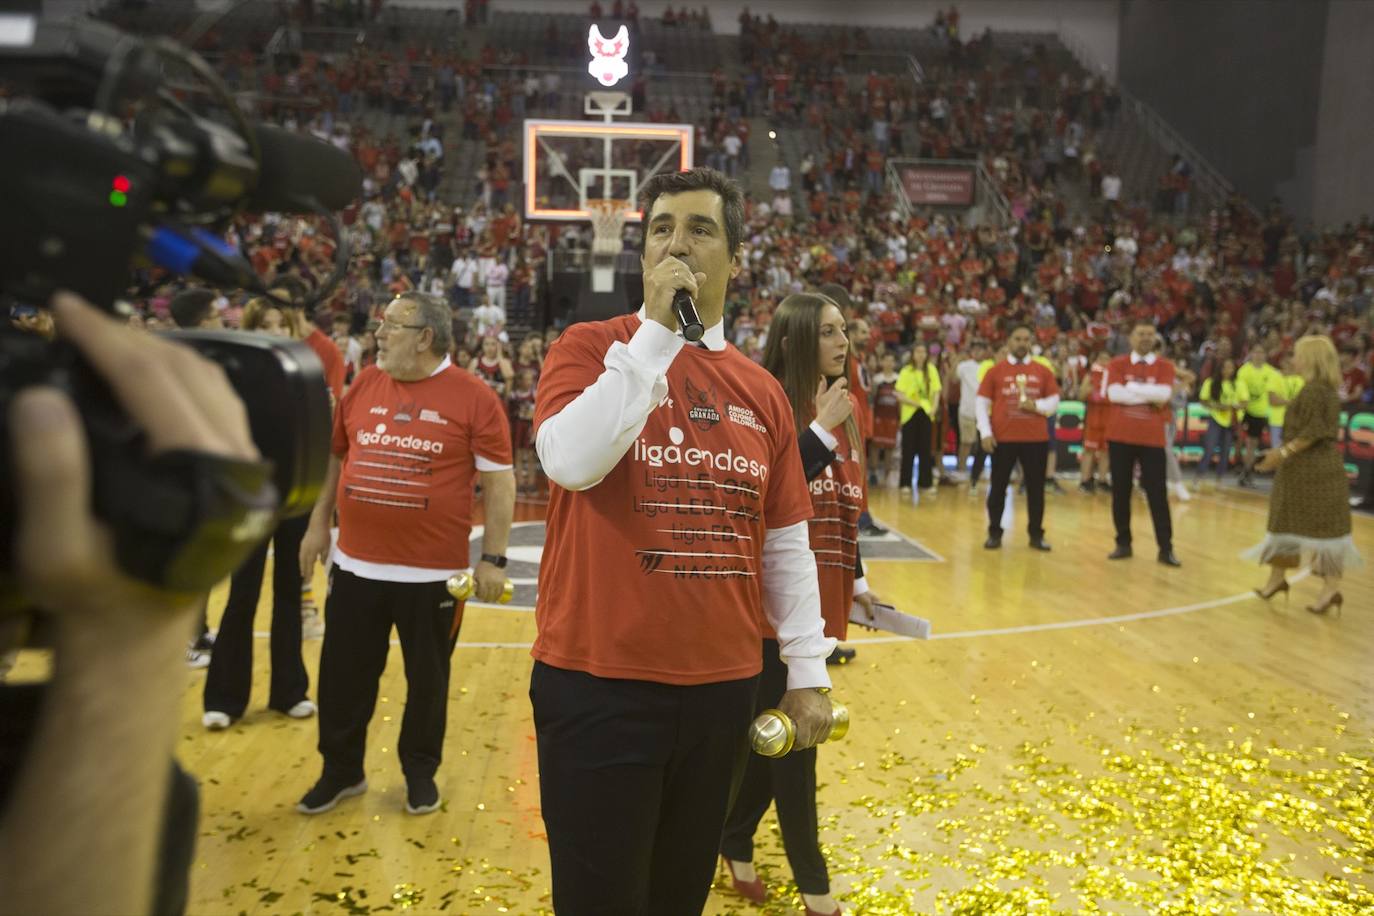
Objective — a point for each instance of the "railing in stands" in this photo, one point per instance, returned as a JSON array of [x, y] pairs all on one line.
[[1207, 179], [993, 195]]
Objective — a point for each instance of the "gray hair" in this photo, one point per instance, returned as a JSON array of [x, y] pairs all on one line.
[[435, 314]]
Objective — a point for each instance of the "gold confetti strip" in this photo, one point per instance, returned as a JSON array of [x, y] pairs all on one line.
[[1160, 821]]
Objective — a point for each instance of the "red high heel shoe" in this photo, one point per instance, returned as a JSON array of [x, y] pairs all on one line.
[[750, 890]]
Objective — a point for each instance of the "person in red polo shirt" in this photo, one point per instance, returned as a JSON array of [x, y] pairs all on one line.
[[1014, 398], [1140, 385], [677, 525], [410, 437]]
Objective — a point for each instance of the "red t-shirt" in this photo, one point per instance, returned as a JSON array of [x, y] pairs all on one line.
[[863, 412], [408, 451], [328, 352], [836, 500], [1002, 385], [653, 574], [1138, 424]]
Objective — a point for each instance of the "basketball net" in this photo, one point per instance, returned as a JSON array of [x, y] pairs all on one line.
[[608, 222]]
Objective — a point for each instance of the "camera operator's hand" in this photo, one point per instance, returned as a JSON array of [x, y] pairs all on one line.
[[81, 829], [63, 556], [661, 282]]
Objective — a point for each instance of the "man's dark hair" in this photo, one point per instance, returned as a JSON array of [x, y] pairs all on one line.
[[838, 293], [190, 306], [700, 179], [298, 288]]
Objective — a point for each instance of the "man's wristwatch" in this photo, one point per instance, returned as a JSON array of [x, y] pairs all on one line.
[[495, 560]]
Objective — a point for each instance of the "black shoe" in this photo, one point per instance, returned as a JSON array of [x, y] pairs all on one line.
[[1122, 552], [1087, 486], [1168, 559], [841, 656], [422, 795], [328, 792], [1040, 544], [993, 542], [1054, 485], [872, 530]]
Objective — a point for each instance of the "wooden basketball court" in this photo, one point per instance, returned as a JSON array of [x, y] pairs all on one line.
[[1079, 736]]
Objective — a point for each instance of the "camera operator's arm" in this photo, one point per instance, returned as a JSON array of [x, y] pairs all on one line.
[[81, 830]]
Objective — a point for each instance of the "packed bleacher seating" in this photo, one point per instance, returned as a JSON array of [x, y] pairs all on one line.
[[1082, 256]]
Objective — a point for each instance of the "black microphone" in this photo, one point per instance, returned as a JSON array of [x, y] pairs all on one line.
[[298, 170], [687, 318]]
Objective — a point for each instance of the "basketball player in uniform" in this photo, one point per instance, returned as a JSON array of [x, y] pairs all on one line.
[[1092, 391], [678, 523], [1140, 386]]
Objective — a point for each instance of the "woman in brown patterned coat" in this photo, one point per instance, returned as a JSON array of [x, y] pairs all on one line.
[[1309, 509]]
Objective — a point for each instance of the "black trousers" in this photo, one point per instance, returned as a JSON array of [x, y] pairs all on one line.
[[790, 782], [359, 614], [1122, 459], [229, 681], [980, 458], [635, 779], [916, 433], [1033, 457]]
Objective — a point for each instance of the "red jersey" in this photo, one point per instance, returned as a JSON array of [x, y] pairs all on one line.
[[860, 383], [1139, 424], [836, 501], [1003, 385], [653, 573], [408, 451], [328, 352], [1097, 388]]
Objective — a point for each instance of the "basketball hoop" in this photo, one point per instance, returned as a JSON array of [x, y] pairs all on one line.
[[608, 222]]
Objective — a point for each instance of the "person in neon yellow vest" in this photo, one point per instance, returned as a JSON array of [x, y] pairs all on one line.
[[1224, 398], [918, 390], [1282, 391], [1255, 376]]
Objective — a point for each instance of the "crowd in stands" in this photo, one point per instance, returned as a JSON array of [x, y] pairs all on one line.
[[1216, 285]]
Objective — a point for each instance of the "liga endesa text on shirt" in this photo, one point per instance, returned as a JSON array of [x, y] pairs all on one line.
[[662, 558]]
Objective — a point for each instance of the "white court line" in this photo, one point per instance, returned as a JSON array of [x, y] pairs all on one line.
[[972, 634]]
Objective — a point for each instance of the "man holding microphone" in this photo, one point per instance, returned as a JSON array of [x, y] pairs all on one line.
[[677, 524], [1014, 398]]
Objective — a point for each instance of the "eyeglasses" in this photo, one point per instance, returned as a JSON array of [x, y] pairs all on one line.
[[388, 325]]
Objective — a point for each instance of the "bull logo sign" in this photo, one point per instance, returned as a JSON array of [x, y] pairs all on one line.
[[608, 55]]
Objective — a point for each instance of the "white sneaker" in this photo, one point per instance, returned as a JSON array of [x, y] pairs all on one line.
[[216, 721], [312, 626], [302, 710], [1181, 492], [196, 658]]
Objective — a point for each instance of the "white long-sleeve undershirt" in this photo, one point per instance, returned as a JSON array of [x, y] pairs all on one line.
[[1132, 393]]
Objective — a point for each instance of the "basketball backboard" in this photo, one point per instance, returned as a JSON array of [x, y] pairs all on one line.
[[568, 163]]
